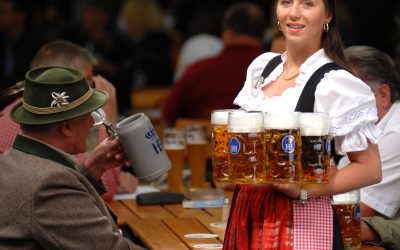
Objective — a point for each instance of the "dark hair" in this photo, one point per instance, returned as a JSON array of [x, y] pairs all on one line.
[[245, 18], [332, 41], [374, 67]]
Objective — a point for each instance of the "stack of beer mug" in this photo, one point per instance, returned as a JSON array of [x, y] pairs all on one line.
[[257, 147], [284, 147]]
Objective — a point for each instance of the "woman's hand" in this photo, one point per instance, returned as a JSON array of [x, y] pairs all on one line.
[[291, 190]]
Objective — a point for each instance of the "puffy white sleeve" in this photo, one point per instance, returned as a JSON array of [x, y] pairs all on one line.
[[352, 109]]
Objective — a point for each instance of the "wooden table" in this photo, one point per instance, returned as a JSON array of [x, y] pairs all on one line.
[[167, 226]]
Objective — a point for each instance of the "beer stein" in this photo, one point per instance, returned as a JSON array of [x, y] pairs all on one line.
[[316, 147], [246, 157], [175, 147], [282, 146], [196, 145], [142, 147], [219, 143], [347, 206]]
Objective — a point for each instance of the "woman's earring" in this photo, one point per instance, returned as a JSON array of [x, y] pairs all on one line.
[[279, 25], [326, 27]]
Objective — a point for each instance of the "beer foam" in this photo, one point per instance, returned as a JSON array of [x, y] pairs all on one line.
[[246, 122], [281, 120], [174, 147], [314, 124], [352, 197], [220, 116], [314, 131]]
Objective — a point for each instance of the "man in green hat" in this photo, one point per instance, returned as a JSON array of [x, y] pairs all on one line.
[[64, 53], [46, 202]]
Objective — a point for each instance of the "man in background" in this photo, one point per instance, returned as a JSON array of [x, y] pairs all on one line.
[[380, 231], [377, 70], [213, 83]]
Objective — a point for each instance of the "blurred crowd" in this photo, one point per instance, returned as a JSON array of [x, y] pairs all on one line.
[[138, 42]]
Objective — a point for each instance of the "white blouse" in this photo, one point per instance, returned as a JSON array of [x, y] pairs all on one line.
[[349, 101]]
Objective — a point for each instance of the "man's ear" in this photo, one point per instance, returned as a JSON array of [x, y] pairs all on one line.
[[384, 92], [66, 128]]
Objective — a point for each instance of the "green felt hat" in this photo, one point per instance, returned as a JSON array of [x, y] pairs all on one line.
[[54, 94]]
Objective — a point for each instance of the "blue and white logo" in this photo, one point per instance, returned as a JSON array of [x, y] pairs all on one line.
[[328, 146], [234, 145], [288, 144], [155, 141], [357, 212]]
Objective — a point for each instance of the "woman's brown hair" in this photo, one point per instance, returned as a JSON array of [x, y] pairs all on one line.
[[331, 39]]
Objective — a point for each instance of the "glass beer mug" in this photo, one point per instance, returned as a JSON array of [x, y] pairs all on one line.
[[219, 144], [316, 147], [282, 146], [175, 147], [246, 157], [347, 206], [196, 146]]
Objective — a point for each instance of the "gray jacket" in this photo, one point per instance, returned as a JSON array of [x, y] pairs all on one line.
[[46, 204]]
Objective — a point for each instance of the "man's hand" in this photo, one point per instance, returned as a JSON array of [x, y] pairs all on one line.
[[368, 233], [106, 155]]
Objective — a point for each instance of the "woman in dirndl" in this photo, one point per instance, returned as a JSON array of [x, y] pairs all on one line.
[[271, 216]]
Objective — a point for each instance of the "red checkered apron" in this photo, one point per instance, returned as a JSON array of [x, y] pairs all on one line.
[[263, 218], [313, 224]]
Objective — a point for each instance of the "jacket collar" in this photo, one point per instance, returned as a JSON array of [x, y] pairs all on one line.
[[34, 147]]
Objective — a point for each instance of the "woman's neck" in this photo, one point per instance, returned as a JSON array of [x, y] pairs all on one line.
[[297, 55]]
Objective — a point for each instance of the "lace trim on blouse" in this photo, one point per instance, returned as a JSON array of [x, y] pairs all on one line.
[[347, 122], [354, 129]]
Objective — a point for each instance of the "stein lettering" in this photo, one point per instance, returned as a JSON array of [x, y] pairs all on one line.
[[157, 146], [151, 134]]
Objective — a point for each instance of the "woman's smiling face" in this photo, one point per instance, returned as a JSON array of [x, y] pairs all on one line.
[[303, 20]]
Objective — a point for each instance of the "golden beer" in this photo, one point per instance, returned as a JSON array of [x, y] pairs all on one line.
[[175, 147], [219, 143], [316, 147], [315, 158], [282, 147], [246, 157], [349, 217], [196, 145], [220, 152], [283, 152], [347, 208], [197, 156], [175, 174]]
